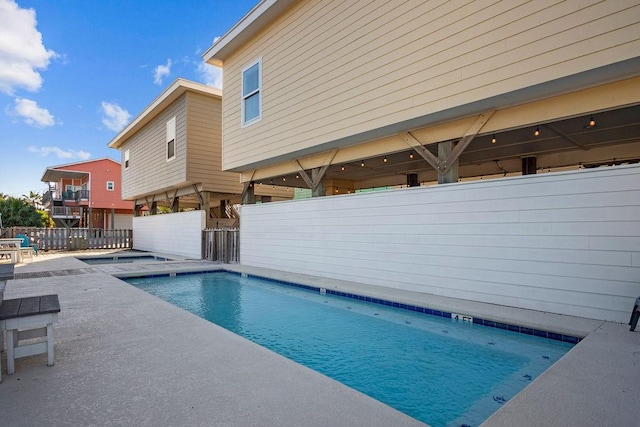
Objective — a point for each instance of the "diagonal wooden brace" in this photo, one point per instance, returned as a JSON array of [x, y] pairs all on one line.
[[464, 142], [420, 149], [313, 184]]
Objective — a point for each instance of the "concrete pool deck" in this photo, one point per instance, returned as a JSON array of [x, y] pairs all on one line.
[[124, 357]]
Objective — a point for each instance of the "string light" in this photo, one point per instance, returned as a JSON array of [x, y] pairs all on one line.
[[493, 139], [411, 155], [537, 132], [592, 122], [384, 160], [362, 163], [342, 168]]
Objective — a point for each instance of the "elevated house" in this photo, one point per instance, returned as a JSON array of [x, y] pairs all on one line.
[[172, 163], [86, 194], [420, 97]]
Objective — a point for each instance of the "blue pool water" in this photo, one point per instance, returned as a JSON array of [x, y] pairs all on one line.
[[122, 259], [436, 370]]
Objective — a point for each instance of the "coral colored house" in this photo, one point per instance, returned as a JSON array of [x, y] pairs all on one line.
[[87, 194]]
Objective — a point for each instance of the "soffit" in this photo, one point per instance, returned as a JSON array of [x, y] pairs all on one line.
[[55, 175]]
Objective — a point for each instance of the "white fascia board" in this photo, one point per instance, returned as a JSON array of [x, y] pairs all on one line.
[[252, 23], [177, 88]]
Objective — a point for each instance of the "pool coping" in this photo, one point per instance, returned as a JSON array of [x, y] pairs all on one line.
[[459, 317], [553, 326]]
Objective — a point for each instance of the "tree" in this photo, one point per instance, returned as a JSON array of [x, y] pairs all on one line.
[[19, 213], [34, 199]]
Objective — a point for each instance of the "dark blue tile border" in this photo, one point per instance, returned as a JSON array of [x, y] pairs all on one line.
[[478, 321]]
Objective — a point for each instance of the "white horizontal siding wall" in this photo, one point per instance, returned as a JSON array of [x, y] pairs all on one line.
[[567, 243], [175, 233]]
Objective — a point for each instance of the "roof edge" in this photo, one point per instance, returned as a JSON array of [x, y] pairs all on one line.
[[170, 94], [248, 26]]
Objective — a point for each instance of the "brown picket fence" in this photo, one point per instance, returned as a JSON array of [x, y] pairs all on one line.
[[72, 239]]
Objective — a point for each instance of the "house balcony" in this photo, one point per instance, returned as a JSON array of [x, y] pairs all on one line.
[[66, 212], [65, 196]]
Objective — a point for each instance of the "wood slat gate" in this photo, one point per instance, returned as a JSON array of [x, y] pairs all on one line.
[[221, 245]]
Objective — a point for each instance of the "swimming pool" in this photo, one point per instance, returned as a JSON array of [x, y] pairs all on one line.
[[434, 369], [122, 259]]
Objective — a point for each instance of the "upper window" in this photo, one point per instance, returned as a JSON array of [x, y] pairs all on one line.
[[126, 159], [110, 185], [252, 93], [171, 139]]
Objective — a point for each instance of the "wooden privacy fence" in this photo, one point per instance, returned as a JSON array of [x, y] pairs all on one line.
[[221, 245], [73, 238]]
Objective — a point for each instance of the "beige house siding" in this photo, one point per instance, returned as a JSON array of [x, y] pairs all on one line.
[[419, 58], [149, 169], [204, 155]]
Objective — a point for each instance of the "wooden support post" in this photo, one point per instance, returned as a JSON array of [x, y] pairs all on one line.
[[175, 204], [320, 185], [412, 180], [154, 208], [248, 193], [137, 209], [451, 174], [205, 205], [529, 165]]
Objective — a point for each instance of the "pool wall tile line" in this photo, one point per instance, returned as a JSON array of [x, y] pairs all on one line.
[[476, 320]]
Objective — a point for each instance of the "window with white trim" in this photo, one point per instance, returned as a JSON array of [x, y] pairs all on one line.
[[171, 139], [252, 93], [126, 159], [111, 185]]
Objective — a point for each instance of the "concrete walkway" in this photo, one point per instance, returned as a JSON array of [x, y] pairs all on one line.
[[124, 357]]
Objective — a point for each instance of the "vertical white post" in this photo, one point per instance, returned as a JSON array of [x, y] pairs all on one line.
[[50, 358], [12, 340]]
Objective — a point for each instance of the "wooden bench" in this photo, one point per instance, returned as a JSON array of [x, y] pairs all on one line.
[[27, 318]]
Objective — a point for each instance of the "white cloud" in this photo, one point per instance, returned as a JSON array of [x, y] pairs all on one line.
[[161, 71], [210, 74], [32, 114], [21, 50], [115, 117], [60, 153]]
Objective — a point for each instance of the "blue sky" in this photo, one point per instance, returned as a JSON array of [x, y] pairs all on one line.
[[75, 72]]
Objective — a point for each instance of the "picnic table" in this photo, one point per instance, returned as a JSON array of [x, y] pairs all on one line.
[[11, 247], [6, 273]]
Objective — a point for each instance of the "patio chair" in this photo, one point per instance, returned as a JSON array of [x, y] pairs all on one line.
[[26, 248]]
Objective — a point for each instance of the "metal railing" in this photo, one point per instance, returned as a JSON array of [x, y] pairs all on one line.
[[69, 195], [221, 245]]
